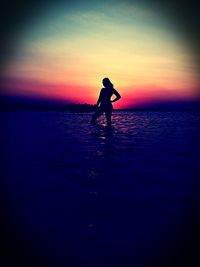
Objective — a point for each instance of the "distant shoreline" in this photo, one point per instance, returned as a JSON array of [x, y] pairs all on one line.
[[90, 112], [87, 108]]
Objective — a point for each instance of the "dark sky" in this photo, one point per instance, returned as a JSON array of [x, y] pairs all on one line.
[[15, 15]]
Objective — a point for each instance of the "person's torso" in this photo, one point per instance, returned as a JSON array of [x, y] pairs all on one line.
[[106, 96]]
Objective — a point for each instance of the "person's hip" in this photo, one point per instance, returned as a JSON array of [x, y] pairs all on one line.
[[106, 107]]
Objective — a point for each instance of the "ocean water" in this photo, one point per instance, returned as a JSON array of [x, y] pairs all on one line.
[[77, 194]]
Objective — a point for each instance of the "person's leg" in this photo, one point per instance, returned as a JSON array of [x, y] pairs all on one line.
[[108, 117], [98, 112]]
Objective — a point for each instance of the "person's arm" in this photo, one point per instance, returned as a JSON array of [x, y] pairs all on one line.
[[118, 96], [99, 99]]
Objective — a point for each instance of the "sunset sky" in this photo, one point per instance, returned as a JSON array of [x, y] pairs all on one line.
[[67, 50]]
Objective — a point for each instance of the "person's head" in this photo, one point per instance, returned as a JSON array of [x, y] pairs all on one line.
[[107, 83]]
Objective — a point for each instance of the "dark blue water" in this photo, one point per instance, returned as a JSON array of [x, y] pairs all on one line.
[[84, 195]]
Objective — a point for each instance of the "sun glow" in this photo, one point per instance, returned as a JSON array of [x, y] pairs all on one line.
[[66, 57]]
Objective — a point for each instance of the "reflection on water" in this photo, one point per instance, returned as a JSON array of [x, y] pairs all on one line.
[[148, 154], [148, 148], [99, 192], [106, 138]]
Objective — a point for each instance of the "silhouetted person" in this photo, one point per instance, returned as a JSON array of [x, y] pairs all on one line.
[[104, 102]]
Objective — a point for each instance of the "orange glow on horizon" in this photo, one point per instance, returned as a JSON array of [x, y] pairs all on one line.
[[131, 97]]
